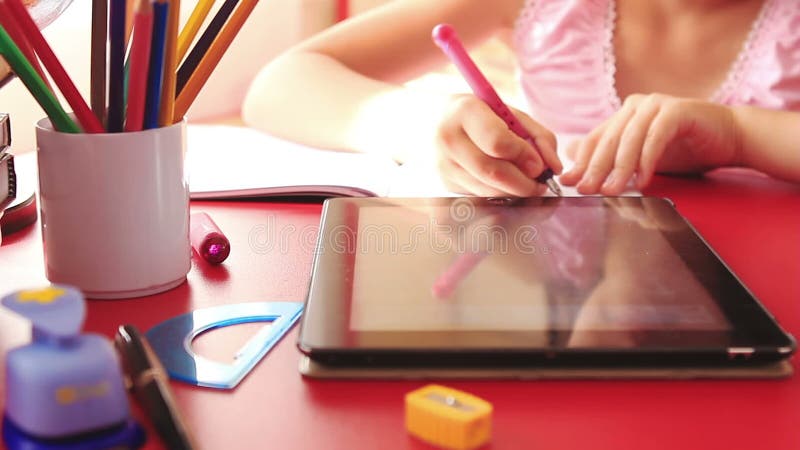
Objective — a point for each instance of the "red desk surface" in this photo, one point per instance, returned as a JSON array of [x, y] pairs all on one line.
[[751, 221]]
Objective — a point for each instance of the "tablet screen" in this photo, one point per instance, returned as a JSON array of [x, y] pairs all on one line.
[[535, 273], [572, 268]]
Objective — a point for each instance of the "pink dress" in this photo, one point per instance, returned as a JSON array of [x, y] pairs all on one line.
[[567, 64]]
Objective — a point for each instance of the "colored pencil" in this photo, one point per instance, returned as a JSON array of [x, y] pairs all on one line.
[[18, 36], [210, 61], [167, 108], [126, 74], [139, 60], [204, 43], [116, 66], [130, 9], [189, 31], [97, 96], [156, 71], [26, 73], [61, 79]]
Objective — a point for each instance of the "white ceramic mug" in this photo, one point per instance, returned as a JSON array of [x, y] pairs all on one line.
[[114, 210]]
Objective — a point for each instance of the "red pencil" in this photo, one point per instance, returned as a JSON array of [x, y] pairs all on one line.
[[22, 42], [87, 119], [140, 58]]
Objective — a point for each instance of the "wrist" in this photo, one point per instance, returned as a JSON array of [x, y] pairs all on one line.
[[738, 130]]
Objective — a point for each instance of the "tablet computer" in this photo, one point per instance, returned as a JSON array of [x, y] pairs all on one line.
[[776, 370], [573, 282]]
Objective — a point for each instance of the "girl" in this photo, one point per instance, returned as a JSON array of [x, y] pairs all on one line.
[[655, 86]]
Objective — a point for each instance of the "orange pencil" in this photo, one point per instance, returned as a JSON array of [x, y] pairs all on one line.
[[140, 59], [85, 116], [130, 12], [167, 109], [209, 62], [18, 36]]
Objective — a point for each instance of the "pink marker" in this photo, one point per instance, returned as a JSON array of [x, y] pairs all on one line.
[[207, 239], [445, 37]]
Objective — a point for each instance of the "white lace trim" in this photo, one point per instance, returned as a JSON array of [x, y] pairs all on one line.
[[609, 57], [522, 24], [737, 70]]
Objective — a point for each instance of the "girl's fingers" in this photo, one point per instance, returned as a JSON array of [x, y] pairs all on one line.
[[662, 131], [491, 134], [544, 140], [583, 154], [502, 176], [605, 153], [630, 147], [447, 171], [459, 180]]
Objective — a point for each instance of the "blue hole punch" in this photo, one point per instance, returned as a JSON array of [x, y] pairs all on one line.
[[172, 341], [64, 390]]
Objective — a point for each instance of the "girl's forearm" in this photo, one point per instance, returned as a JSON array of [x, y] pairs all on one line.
[[312, 98], [769, 141]]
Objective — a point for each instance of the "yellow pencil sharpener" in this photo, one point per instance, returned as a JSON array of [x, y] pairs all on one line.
[[448, 418]]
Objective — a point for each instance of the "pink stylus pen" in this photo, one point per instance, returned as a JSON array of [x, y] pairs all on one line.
[[207, 239], [446, 38]]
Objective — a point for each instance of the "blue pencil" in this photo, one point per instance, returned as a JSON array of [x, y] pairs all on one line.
[[116, 66], [155, 76]]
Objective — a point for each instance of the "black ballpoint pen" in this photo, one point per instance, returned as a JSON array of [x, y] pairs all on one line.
[[151, 387]]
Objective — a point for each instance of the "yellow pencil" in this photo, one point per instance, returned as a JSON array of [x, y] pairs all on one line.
[[189, 31], [167, 108], [213, 56]]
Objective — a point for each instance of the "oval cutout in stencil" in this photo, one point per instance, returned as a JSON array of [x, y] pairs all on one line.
[[222, 344]]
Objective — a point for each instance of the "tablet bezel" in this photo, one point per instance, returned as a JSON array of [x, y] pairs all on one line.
[[755, 336]]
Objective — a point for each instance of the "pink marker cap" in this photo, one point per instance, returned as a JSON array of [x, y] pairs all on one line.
[[207, 239]]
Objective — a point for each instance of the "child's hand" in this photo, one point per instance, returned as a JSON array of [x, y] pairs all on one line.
[[478, 154], [653, 133]]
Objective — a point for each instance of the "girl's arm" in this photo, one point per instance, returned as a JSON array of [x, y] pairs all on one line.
[[659, 133], [770, 141], [341, 89]]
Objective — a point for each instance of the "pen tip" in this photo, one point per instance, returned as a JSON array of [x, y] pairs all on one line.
[[553, 186]]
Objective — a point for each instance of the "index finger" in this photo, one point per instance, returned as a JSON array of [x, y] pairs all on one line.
[[543, 140], [493, 136]]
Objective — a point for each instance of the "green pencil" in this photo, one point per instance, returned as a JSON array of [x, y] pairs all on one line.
[[58, 117]]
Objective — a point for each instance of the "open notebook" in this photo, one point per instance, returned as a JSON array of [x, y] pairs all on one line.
[[232, 162], [226, 161]]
